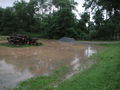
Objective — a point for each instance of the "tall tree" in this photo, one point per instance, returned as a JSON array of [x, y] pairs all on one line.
[[8, 24], [112, 12]]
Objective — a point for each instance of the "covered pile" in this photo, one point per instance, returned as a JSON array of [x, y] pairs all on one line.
[[67, 39]]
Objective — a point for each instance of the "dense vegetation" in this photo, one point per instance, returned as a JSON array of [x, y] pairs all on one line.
[[55, 19], [104, 75]]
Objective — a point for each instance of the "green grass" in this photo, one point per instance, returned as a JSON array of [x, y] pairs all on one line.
[[16, 46], [104, 75]]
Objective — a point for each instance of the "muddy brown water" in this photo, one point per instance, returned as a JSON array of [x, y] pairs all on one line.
[[18, 64]]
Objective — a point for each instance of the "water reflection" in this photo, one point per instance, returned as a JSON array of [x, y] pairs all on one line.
[[75, 64], [9, 77], [89, 51], [78, 64]]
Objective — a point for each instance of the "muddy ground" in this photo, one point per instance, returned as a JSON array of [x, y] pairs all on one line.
[[17, 64]]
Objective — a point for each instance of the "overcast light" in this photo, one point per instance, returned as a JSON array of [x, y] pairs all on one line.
[[6, 3]]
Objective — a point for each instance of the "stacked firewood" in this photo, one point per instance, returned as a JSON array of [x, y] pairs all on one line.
[[22, 40]]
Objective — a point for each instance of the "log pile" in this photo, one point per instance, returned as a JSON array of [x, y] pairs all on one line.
[[22, 40]]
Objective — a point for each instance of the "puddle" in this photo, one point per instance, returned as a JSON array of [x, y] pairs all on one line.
[[81, 63], [75, 64], [90, 51], [9, 77], [18, 64]]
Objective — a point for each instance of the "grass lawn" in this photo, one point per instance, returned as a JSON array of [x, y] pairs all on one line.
[[104, 75]]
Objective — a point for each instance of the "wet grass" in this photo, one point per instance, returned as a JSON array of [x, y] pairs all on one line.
[[17, 46], [43, 82], [104, 75]]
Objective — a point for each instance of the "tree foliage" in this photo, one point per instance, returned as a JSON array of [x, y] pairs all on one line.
[[55, 19], [106, 28]]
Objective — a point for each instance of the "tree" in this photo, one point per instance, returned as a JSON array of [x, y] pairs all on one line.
[[21, 15], [104, 24], [63, 24], [82, 26], [8, 24], [1, 19]]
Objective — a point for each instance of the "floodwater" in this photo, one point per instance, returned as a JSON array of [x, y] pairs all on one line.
[[18, 64]]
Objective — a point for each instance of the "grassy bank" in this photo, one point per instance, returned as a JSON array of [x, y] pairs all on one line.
[[104, 75], [43, 82]]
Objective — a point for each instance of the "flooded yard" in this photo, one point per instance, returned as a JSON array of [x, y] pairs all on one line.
[[18, 64]]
